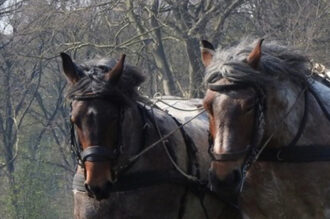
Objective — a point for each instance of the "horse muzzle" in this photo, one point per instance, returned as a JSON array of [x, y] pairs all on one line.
[[227, 189], [99, 192]]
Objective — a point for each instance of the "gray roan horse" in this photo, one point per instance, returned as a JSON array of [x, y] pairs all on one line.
[[270, 123], [122, 172]]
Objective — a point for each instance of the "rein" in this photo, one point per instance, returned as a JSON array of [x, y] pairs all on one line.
[[134, 158], [177, 108]]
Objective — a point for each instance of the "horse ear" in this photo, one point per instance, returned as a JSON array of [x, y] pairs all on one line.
[[207, 51], [255, 55], [115, 73], [69, 68]]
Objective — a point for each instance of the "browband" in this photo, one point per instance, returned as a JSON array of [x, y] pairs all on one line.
[[229, 87]]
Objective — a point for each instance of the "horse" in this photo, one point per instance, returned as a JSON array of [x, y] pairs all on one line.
[[135, 159], [270, 127]]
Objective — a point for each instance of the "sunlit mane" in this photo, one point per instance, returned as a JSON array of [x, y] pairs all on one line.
[[92, 79], [277, 62]]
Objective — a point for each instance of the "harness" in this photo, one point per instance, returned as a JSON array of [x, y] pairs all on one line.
[[140, 179], [257, 151]]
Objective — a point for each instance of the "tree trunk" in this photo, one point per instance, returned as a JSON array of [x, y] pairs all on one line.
[[196, 71], [9, 139], [162, 64], [157, 47]]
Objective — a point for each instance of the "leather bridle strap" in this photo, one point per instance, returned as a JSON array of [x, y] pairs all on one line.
[[229, 87], [141, 179], [318, 99], [301, 153], [229, 156], [302, 122], [97, 153], [296, 154]]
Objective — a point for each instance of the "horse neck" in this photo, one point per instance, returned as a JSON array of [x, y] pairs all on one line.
[[284, 118]]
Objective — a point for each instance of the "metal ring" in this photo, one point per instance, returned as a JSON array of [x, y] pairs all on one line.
[[278, 156]]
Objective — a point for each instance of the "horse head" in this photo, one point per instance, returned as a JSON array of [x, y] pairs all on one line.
[[255, 98], [98, 97]]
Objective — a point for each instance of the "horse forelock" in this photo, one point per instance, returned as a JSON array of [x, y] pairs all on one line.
[[277, 62], [92, 79]]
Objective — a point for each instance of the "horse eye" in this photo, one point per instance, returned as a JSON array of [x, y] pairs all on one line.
[[75, 120], [249, 108]]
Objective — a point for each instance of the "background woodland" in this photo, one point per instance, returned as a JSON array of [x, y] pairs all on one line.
[[161, 37]]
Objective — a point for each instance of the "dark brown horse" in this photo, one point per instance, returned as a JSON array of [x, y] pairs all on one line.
[[270, 123], [125, 171]]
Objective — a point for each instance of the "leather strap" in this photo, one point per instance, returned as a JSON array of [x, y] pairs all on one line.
[[136, 180], [296, 154], [97, 153], [229, 87], [229, 156]]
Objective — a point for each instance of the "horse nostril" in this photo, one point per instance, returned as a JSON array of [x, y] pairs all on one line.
[[96, 190], [237, 176], [113, 178], [99, 192], [87, 188], [92, 190], [233, 178]]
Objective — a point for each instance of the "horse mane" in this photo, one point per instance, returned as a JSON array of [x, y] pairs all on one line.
[[92, 80], [277, 62]]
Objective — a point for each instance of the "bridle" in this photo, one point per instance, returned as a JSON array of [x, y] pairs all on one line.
[[249, 154], [257, 149], [95, 153], [259, 109]]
